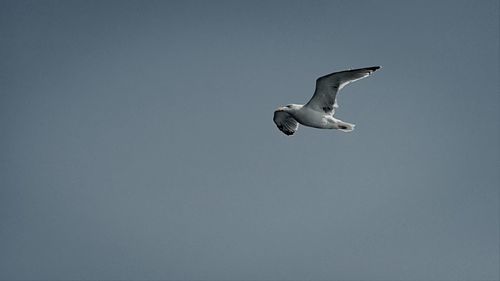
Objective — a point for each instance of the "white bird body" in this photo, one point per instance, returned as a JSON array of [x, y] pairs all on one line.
[[319, 111], [313, 118]]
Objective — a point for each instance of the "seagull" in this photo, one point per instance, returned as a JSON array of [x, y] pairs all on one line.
[[319, 111]]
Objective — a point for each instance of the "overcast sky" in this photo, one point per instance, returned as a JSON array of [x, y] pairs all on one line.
[[137, 141]]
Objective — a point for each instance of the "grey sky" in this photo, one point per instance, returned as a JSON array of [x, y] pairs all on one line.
[[137, 141]]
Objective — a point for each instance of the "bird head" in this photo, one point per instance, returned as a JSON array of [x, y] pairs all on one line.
[[287, 108]]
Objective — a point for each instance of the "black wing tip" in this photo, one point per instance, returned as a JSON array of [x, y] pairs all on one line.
[[373, 68], [285, 131]]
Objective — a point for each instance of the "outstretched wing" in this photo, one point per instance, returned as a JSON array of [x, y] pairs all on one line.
[[327, 87], [285, 122]]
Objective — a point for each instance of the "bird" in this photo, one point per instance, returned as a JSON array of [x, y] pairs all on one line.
[[319, 111]]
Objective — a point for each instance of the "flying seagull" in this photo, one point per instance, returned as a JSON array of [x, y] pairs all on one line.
[[319, 111]]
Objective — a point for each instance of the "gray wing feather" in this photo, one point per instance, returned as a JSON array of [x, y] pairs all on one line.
[[285, 122], [327, 87]]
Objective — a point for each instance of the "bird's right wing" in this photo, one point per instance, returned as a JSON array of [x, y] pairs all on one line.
[[327, 87], [285, 122]]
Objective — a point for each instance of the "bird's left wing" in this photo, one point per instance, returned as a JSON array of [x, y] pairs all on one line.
[[327, 87], [285, 122]]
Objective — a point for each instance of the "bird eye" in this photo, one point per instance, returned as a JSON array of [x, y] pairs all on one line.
[[289, 106]]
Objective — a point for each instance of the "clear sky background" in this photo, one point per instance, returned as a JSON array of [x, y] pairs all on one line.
[[137, 141]]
